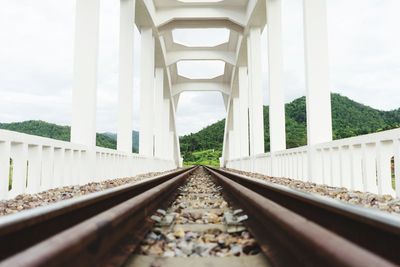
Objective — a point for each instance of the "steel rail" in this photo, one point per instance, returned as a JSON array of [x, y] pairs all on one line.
[[289, 238], [23, 230], [374, 230]]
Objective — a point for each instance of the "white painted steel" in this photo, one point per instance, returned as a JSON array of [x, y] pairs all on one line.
[[125, 93], [319, 117], [236, 127], [40, 163], [256, 120], [200, 87], [360, 163], [276, 92], [201, 54], [243, 112], [159, 125], [84, 95], [146, 133], [165, 142]]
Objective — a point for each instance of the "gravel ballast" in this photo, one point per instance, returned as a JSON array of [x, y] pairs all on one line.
[[30, 201], [198, 230], [369, 200]]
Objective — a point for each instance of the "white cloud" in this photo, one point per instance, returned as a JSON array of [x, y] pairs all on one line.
[[199, 109], [36, 52], [36, 60], [365, 60]]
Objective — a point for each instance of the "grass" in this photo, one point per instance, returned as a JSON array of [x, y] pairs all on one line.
[[206, 157]]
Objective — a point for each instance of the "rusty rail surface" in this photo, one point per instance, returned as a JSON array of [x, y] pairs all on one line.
[[79, 232], [316, 230]]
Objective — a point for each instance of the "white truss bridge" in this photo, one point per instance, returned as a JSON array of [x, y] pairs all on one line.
[[363, 163]]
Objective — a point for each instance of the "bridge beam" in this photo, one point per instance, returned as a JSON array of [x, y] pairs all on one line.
[[83, 126], [277, 127], [200, 86], [256, 116], [166, 15], [125, 94], [175, 56], [319, 114], [146, 133], [200, 24]]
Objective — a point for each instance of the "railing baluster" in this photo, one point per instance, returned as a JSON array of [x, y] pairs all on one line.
[[5, 153], [335, 166], [34, 168], [58, 179], [385, 153], [345, 166], [397, 166], [47, 167], [326, 165], [76, 170], [356, 166], [68, 163], [19, 152]]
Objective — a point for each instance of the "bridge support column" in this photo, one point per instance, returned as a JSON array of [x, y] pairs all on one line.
[[277, 127], [236, 127], [232, 144], [243, 112], [171, 140], [256, 116], [166, 128], [319, 118], [159, 125], [125, 94], [83, 126], [226, 154], [146, 135]]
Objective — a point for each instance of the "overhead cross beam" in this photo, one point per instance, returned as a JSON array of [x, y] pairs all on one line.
[[226, 56], [199, 24], [198, 85], [166, 15]]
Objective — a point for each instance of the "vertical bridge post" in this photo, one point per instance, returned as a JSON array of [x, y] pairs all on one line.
[[276, 92], [256, 112], [84, 95], [319, 114], [146, 139], [126, 65]]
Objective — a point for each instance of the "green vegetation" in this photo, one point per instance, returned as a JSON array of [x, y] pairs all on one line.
[[349, 119], [206, 157], [50, 130]]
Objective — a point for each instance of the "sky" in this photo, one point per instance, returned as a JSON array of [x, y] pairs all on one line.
[[36, 61]]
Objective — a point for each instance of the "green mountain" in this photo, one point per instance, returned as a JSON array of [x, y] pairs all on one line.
[[50, 130], [349, 119]]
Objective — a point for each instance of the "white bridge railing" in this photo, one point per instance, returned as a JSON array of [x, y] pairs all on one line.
[[366, 163], [29, 164]]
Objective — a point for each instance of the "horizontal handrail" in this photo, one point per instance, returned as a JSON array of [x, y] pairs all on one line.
[[29, 164], [367, 163]]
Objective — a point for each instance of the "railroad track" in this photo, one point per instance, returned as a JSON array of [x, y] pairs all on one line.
[[301, 229], [77, 232], [121, 227]]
